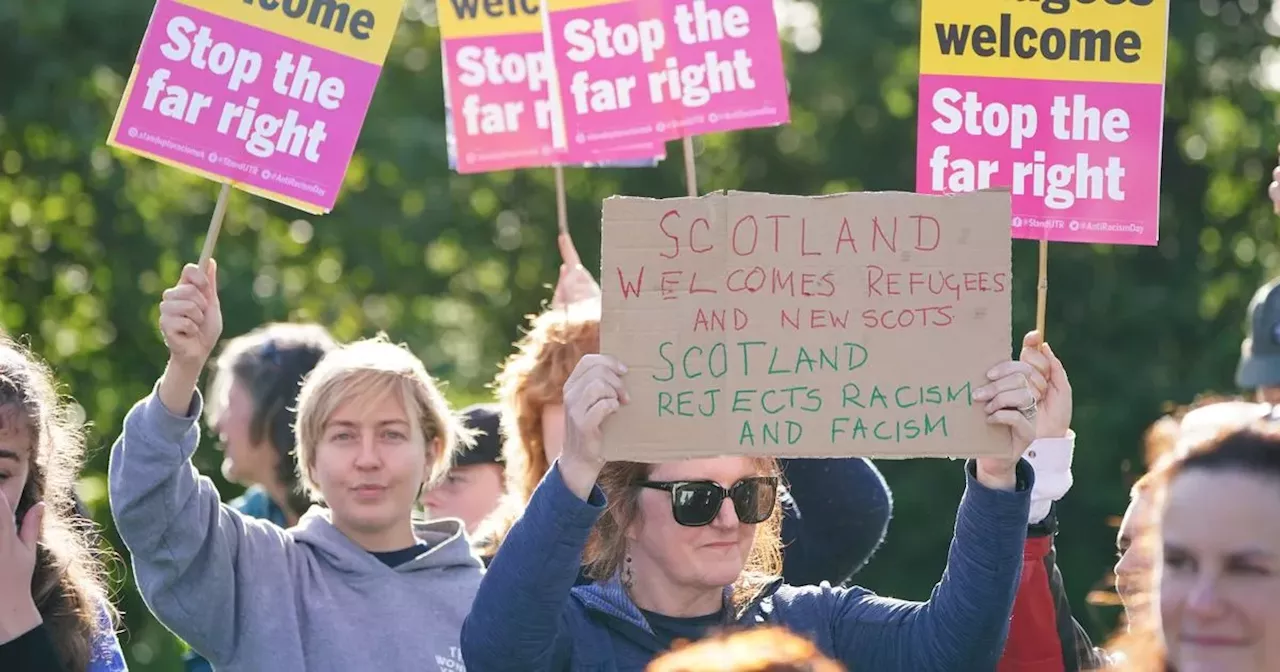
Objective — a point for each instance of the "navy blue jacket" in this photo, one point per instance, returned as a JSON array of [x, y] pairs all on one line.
[[528, 615]]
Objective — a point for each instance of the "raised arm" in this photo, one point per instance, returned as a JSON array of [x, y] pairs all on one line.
[[837, 517], [964, 623], [519, 618], [187, 547]]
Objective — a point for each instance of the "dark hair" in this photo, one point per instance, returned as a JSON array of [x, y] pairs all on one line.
[[68, 584], [1254, 449], [271, 362]]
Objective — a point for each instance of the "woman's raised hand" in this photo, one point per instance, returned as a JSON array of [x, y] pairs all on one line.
[[576, 283], [1053, 411], [191, 317], [191, 323], [591, 394], [1010, 401]]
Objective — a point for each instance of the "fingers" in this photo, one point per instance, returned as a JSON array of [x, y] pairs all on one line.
[[212, 290], [185, 293], [1009, 368], [568, 253], [1041, 369], [590, 363], [1058, 373], [1021, 397], [178, 325], [1013, 420], [192, 275], [1032, 340], [1007, 377], [184, 309], [31, 524], [598, 412]]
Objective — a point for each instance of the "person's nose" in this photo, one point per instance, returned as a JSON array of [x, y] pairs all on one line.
[[727, 516], [368, 456], [1204, 600]]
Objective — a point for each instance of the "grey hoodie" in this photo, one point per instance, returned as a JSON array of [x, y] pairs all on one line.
[[250, 596]]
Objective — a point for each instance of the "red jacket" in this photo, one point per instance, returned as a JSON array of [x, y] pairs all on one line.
[[1043, 636]]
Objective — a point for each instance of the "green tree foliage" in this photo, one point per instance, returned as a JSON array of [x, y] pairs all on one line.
[[90, 237]]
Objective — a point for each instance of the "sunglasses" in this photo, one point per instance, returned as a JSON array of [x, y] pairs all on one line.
[[697, 503]]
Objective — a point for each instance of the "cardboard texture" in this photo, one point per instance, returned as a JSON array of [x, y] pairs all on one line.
[[852, 324]]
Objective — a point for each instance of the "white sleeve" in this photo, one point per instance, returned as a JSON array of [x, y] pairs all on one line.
[[1051, 460]]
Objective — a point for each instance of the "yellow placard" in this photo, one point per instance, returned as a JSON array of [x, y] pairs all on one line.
[[357, 28], [483, 18], [558, 5], [1076, 40]]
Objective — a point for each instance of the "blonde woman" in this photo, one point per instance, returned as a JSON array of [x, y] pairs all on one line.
[[357, 584]]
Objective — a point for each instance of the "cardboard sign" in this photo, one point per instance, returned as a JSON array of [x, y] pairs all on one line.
[[674, 68], [828, 326], [1062, 101], [269, 96], [497, 70]]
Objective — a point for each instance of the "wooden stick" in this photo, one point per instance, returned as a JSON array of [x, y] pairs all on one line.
[[215, 226], [690, 170], [562, 215], [1042, 288]]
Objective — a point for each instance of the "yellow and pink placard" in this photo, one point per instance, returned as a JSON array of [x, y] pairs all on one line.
[[1060, 100], [264, 94], [498, 93], [533, 83]]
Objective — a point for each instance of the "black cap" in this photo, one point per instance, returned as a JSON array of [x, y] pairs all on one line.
[[1260, 353], [484, 419]]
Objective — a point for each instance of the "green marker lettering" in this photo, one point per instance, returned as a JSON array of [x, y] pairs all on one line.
[[671, 367]]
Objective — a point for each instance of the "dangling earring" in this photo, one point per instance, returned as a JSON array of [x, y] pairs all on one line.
[[628, 578]]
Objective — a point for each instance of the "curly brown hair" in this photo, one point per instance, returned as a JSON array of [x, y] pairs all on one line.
[[607, 545], [532, 379], [68, 584]]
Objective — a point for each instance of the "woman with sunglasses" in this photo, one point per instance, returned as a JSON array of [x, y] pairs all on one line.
[[671, 560]]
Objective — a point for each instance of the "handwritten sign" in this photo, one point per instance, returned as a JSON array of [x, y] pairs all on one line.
[[267, 95], [1062, 101], [635, 68], [851, 324], [497, 69]]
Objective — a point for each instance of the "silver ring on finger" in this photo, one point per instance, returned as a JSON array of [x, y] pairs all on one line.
[[1029, 411]]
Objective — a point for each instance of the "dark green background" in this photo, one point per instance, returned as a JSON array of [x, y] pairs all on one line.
[[89, 238]]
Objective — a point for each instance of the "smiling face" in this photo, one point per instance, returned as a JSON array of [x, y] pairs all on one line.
[[696, 558], [371, 461], [1133, 564], [1220, 575]]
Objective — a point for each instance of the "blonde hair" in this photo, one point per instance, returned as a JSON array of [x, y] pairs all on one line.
[[372, 369], [532, 379], [767, 649], [607, 544]]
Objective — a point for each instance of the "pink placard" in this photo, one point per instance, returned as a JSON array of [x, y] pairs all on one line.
[[1081, 158], [498, 95], [668, 67], [274, 115]]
